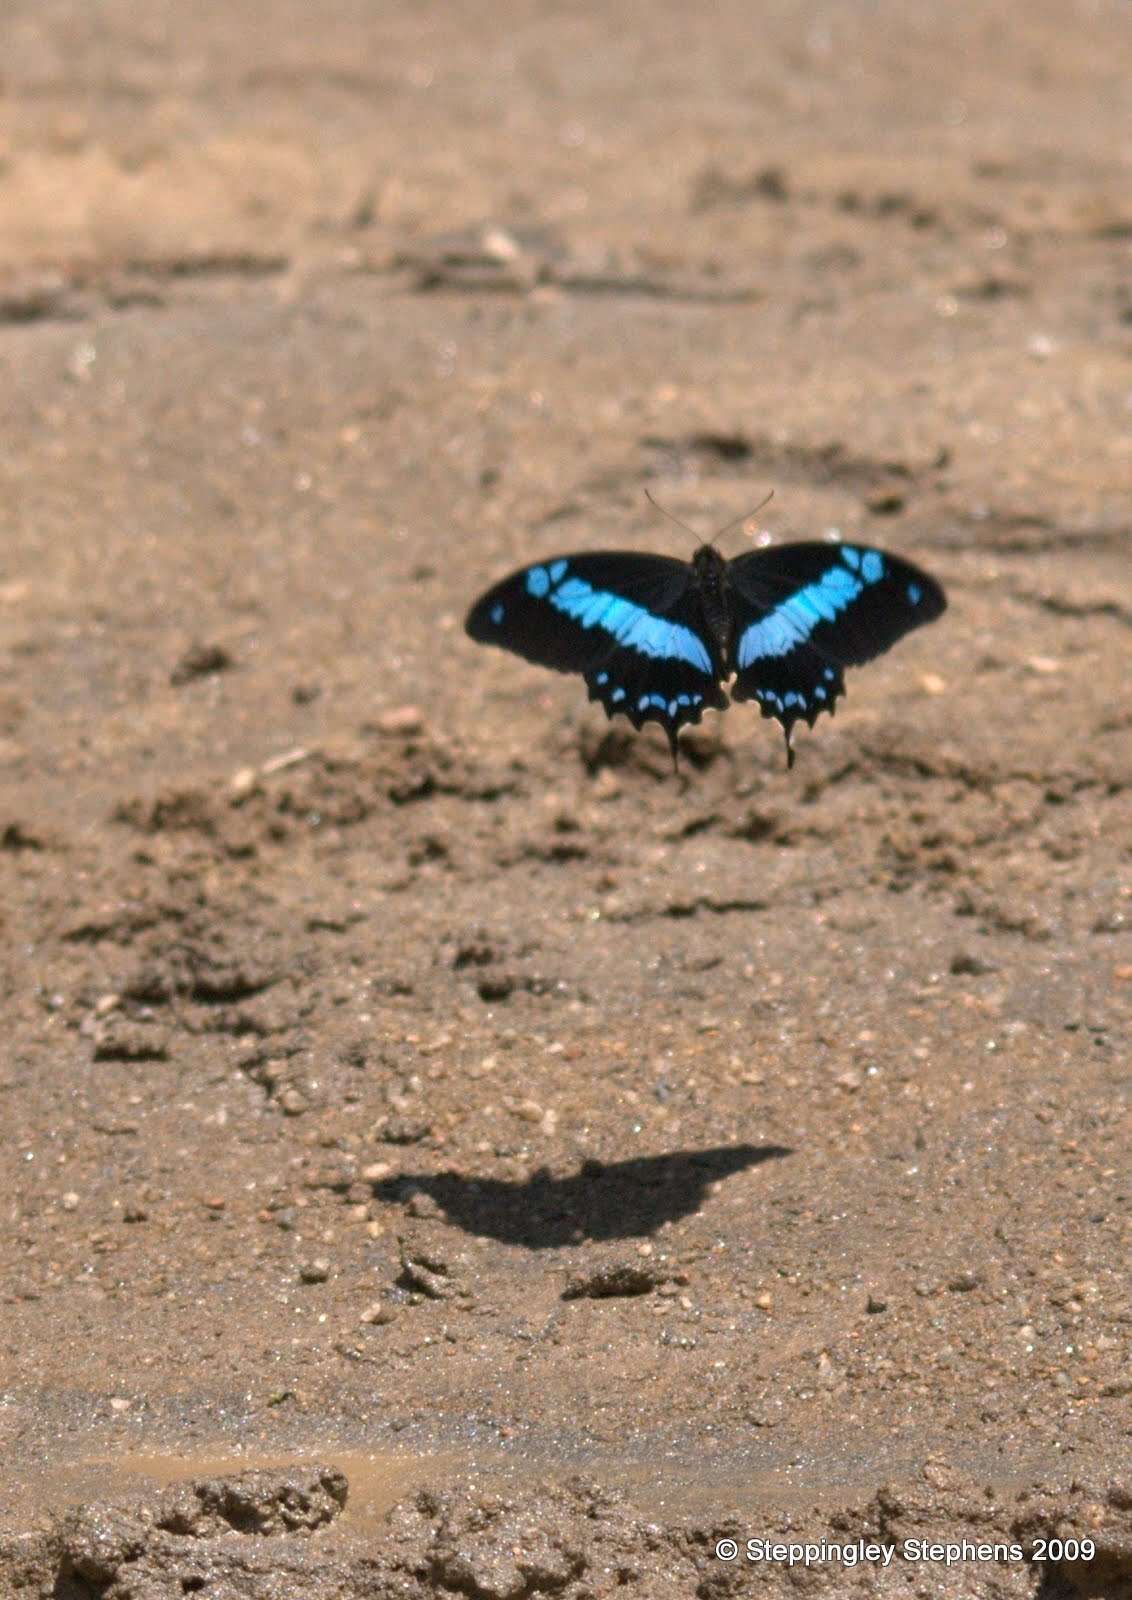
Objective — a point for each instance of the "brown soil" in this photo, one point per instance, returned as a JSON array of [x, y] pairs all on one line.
[[414, 1095]]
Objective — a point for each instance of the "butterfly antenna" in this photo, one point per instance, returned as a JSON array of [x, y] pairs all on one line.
[[753, 512], [734, 523], [658, 507]]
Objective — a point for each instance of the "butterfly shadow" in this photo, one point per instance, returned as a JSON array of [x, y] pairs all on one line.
[[614, 1200]]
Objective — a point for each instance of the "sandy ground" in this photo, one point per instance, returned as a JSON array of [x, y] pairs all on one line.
[[533, 1168]]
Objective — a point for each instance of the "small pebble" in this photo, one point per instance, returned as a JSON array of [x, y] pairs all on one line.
[[244, 781], [316, 1271], [400, 720], [405, 1130], [378, 1315]]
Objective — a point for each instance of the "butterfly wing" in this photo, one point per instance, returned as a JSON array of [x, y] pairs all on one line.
[[631, 624], [803, 612]]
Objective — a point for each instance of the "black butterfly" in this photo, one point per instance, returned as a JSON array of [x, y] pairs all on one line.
[[654, 637]]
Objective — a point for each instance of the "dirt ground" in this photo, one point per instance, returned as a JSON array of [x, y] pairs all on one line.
[[444, 1152]]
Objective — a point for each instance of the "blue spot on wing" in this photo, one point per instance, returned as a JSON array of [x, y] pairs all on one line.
[[807, 611], [628, 624], [538, 582], [497, 614], [793, 620]]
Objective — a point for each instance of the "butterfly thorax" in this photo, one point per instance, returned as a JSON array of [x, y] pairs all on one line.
[[711, 579]]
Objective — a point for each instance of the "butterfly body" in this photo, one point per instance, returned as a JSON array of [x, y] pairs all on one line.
[[655, 638], [710, 570]]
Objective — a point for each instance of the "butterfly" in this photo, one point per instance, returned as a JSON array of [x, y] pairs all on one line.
[[655, 637]]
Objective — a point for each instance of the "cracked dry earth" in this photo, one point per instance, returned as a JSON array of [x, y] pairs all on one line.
[[446, 1154]]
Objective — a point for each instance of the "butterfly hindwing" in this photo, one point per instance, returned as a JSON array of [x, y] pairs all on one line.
[[654, 637], [802, 612], [630, 623]]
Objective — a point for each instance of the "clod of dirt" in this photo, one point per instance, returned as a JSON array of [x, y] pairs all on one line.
[[405, 1130], [198, 661], [713, 188], [965, 964], [427, 1271], [885, 503], [569, 1541], [620, 1278], [127, 1041], [147, 1551], [17, 836]]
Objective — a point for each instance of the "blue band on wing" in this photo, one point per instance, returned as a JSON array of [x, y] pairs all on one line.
[[791, 623], [630, 625]]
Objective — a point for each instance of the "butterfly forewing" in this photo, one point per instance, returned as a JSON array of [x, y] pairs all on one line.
[[802, 612], [654, 637], [630, 623]]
